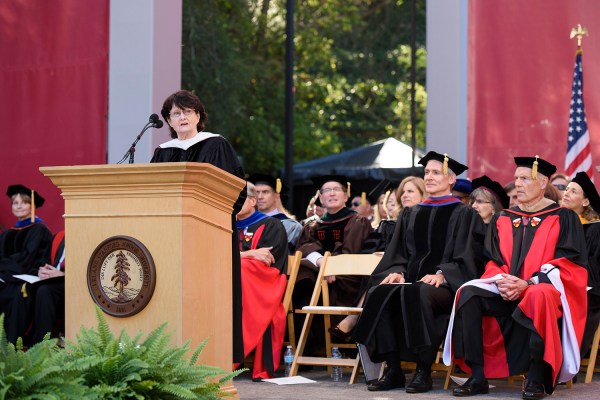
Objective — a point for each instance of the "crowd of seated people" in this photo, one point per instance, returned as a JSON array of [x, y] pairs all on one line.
[[477, 260]]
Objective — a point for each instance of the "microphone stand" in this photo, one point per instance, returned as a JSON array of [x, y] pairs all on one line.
[[131, 152]]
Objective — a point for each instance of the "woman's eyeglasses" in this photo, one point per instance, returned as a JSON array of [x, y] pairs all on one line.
[[177, 114]]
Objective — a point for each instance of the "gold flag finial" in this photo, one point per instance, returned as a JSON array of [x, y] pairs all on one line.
[[445, 165], [32, 206], [534, 168], [578, 32], [278, 186]]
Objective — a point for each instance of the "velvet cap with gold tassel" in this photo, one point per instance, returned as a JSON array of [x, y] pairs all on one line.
[[36, 200], [264, 179], [537, 166], [447, 162]]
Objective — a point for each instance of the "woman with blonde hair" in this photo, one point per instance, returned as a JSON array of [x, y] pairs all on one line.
[[410, 192]]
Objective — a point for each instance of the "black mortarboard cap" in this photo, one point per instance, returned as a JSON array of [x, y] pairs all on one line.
[[319, 181], [378, 190], [276, 183], [583, 180], [537, 165], [20, 189], [493, 187], [454, 165]]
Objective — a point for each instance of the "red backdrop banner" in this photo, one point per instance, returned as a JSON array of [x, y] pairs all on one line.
[[54, 96], [520, 71]]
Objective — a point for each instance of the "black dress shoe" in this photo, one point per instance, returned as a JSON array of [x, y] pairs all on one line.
[[420, 383], [533, 391], [472, 387], [340, 335], [392, 379]]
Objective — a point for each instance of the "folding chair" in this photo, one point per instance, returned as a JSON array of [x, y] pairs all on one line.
[[343, 264], [591, 362], [292, 272]]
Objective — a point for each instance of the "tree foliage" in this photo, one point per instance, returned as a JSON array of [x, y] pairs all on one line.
[[351, 74]]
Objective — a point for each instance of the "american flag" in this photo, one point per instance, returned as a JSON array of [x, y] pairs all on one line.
[[579, 151]]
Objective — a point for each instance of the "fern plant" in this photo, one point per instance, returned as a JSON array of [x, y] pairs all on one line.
[[35, 374], [132, 368], [100, 365]]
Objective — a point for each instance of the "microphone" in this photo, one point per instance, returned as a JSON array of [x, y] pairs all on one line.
[[153, 122]]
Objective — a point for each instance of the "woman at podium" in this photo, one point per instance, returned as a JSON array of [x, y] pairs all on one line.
[[185, 114]]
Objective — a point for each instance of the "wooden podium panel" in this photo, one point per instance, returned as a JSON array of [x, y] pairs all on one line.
[[181, 212]]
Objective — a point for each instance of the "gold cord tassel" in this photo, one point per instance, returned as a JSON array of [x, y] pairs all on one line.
[[278, 186], [534, 168], [363, 198], [348, 183], [32, 208], [445, 166], [24, 290]]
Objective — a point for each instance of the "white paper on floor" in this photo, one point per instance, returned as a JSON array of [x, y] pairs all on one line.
[[289, 380]]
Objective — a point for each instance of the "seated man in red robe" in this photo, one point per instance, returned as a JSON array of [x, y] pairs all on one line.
[[264, 252], [527, 312]]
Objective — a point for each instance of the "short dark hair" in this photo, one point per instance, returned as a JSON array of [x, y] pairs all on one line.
[[184, 99]]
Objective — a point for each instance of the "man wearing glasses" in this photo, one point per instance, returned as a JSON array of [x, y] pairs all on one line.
[[340, 231]]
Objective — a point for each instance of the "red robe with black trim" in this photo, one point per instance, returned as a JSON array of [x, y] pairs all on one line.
[[263, 286], [549, 245]]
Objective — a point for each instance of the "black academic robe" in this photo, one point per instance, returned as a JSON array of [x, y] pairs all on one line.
[[410, 320], [592, 240], [22, 251], [263, 287], [218, 152]]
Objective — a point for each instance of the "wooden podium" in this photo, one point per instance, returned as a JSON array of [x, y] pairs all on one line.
[[181, 212]]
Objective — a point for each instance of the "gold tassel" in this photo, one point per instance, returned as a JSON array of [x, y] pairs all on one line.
[[348, 188], [32, 208], [534, 168], [24, 290], [363, 198], [278, 186], [445, 166]]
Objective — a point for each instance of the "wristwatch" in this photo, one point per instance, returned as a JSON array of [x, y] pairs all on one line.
[[530, 282]]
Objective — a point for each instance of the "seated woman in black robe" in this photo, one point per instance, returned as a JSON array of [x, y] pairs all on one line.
[[582, 197], [23, 248]]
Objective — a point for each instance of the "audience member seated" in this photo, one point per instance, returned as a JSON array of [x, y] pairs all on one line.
[[362, 205], [582, 197], [487, 198], [49, 294], [340, 231], [23, 248], [264, 253], [511, 192], [528, 309], [268, 201], [462, 190], [560, 182], [314, 211], [411, 191], [436, 247]]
